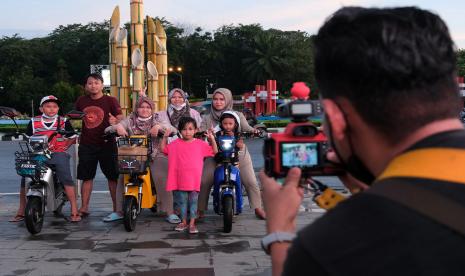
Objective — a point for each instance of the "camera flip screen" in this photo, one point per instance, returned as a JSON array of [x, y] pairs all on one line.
[[301, 155], [301, 109]]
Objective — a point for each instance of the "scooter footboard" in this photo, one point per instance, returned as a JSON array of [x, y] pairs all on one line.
[[148, 197]]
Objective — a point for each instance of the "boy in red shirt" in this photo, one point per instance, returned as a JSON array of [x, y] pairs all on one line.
[[47, 124]]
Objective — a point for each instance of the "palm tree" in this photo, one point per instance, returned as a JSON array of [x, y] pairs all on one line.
[[265, 58]]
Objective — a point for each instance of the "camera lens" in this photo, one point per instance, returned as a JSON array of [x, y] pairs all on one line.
[[305, 131]]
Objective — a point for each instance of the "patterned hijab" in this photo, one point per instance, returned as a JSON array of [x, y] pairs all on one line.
[[175, 113], [141, 126], [216, 114]]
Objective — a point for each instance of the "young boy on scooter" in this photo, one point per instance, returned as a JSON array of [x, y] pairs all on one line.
[[47, 124], [185, 164], [229, 125]]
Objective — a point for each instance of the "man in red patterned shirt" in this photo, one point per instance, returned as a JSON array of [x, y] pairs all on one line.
[[101, 111]]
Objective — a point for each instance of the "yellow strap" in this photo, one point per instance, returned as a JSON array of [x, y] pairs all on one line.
[[444, 164]]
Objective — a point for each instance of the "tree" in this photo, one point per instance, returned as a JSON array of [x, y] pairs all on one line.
[[26, 90], [461, 62], [266, 58], [78, 46], [197, 59], [67, 93], [230, 46]]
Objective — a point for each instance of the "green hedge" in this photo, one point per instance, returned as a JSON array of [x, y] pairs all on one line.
[[282, 123], [12, 128], [275, 123]]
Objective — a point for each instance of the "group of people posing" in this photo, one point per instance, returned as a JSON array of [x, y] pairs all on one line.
[[182, 168]]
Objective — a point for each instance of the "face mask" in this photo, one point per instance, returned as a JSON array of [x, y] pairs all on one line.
[[354, 164], [144, 119], [49, 117], [178, 107]]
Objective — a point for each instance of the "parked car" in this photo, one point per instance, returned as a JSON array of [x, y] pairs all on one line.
[[201, 107]]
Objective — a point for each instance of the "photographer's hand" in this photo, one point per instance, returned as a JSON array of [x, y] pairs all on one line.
[[281, 207], [282, 202]]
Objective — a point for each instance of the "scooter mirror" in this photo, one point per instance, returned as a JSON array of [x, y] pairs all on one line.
[[9, 111], [75, 115]]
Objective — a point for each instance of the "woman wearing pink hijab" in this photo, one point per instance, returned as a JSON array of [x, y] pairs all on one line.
[[140, 122]]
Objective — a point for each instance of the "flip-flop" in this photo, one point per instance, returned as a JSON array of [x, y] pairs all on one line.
[[75, 218], [113, 217], [16, 218], [173, 219]]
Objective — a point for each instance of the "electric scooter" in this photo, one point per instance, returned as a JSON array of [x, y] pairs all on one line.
[[44, 191], [134, 157], [227, 189]]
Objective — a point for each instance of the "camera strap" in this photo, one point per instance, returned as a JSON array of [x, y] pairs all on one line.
[[442, 164]]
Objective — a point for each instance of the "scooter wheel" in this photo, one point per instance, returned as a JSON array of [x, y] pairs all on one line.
[[227, 214], [34, 216], [130, 213]]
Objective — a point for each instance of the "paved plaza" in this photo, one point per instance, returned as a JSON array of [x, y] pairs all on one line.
[[93, 247]]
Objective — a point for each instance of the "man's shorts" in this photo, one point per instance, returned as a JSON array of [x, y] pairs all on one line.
[[90, 155], [62, 167]]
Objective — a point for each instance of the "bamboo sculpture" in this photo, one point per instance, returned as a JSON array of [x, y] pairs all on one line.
[[152, 85], [114, 28], [152, 81], [137, 48], [162, 66], [123, 72], [157, 61]]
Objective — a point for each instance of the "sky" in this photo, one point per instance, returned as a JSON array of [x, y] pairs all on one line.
[[35, 18]]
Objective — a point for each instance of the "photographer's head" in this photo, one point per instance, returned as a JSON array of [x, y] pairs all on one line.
[[384, 72]]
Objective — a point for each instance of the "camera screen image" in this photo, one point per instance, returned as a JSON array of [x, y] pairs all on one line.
[[299, 155]]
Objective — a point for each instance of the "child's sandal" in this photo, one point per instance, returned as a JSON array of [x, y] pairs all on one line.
[[193, 229], [181, 227], [17, 218], [75, 218]]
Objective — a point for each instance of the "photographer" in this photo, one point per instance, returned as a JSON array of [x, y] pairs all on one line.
[[387, 77]]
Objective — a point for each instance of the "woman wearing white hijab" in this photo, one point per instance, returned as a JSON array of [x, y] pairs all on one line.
[[178, 107], [223, 101]]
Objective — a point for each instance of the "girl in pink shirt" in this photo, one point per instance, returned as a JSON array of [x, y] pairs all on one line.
[[185, 164]]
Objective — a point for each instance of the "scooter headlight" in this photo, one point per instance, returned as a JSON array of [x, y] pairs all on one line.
[[226, 144], [127, 164], [36, 147]]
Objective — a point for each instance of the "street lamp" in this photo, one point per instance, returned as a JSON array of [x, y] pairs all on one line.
[[177, 71]]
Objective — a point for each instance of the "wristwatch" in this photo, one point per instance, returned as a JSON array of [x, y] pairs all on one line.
[[271, 238]]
